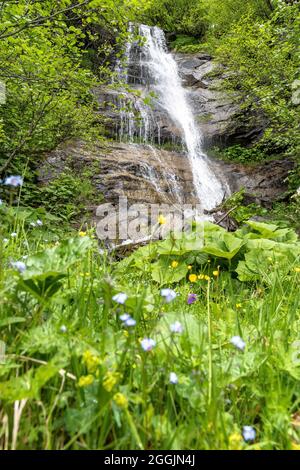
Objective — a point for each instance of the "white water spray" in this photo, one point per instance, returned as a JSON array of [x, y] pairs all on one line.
[[172, 97], [162, 76]]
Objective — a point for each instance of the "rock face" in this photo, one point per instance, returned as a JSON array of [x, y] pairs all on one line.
[[138, 172], [141, 173], [263, 183], [219, 115], [220, 119]]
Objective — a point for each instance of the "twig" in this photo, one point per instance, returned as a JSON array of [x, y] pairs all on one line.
[[226, 215]]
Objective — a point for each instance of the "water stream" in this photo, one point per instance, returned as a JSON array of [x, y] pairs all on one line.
[[150, 64]]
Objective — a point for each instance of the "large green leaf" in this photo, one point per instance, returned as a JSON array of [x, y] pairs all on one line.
[[163, 273], [223, 245], [29, 385]]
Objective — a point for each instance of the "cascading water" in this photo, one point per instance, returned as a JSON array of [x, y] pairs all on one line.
[[158, 71]]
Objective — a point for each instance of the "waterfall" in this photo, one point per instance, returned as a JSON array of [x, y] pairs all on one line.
[[158, 72]]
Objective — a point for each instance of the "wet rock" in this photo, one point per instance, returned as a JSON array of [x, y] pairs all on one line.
[[219, 115], [263, 184]]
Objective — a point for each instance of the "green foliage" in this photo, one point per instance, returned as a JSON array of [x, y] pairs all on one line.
[[67, 195], [273, 43], [180, 16], [68, 353], [237, 153], [43, 48], [234, 251]]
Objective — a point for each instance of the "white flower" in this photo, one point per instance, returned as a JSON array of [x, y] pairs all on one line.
[[63, 329], [168, 295], [120, 298], [238, 342], [148, 344], [249, 433], [14, 181], [39, 223], [14, 235], [130, 322], [176, 327], [1, 202], [32, 224], [19, 266], [125, 317], [173, 378], [5, 240]]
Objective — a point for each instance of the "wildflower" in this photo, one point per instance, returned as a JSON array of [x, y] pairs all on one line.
[[201, 277], [295, 446], [192, 298], [125, 317], [32, 224], [39, 223], [176, 327], [120, 298], [216, 273], [130, 322], [19, 266], [193, 278], [162, 220], [168, 295], [207, 278], [110, 380], [14, 181], [235, 441], [5, 240], [148, 344], [82, 234], [190, 267], [85, 380], [63, 329], [13, 235], [249, 433], [297, 270], [127, 320], [120, 400], [92, 362], [238, 305], [1, 202], [173, 378], [238, 342], [174, 264]]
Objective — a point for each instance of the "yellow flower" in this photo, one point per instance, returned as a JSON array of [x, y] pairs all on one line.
[[85, 380], [297, 270], [82, 234], [295, 446], [193, 278], [238, 305], [120, 400], [235, 441], [207, 278], [162, 220], [91, 361], [216, 273], [190, 267], [175, 264], [110, 380], [201, 277]]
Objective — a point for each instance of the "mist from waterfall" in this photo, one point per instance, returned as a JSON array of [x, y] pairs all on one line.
[[159, 71]]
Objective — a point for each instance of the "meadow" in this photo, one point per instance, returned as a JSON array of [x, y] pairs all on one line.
[[178, 346]]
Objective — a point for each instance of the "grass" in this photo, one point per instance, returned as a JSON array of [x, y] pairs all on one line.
[[75, 377]]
